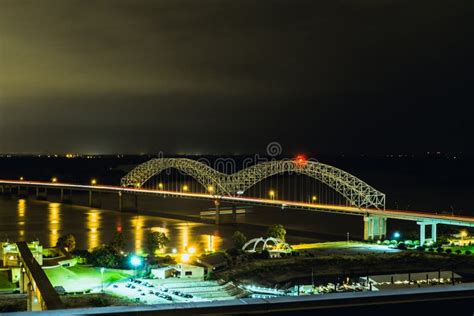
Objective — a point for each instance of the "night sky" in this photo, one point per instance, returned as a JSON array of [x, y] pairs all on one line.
[[215, 76]]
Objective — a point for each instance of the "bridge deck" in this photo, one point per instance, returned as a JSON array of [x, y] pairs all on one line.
[[349, 210]]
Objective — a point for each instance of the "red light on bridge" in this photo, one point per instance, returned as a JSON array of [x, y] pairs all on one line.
[[301, 159]]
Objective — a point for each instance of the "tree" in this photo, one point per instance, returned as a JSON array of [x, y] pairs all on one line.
[[239, 239], [118, 242], [156, 241], [67, 241], [277, 231], [104, 256]]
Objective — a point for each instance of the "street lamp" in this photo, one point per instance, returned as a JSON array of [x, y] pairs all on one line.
[[54, 179], [314, 198], [21, 178], [93, 182], [184, 257], [185, 188], [160, 186], [396, 235], [136, 261], [210, 189], [102, 277]]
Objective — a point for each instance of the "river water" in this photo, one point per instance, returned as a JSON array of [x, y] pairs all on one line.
[[29, 219]]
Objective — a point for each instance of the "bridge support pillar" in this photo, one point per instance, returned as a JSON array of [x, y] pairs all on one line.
[[62, 195], [41, 195], [375, 227], [234, 213], [22, 193], [120, 201], [217, 203], [90, 198], [423, 238]]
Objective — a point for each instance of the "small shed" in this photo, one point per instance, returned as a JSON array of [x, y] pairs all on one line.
[[163, 273], [190, 271]]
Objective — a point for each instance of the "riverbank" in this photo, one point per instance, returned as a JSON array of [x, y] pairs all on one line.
[[270, 272]]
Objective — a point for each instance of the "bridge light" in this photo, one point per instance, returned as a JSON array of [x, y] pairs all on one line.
[[185, 188], [160, 186], [21, 178], [54, 180], [210, 189], [137, 185], [314, 198], [301, 159], [93, 182], [271, 193]]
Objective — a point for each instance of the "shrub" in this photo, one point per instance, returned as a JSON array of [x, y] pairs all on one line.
[[467, 252], [98, 302], [458, 251], [265, 254], [402, 246], [449, 251], [440, 250], [239, 239]]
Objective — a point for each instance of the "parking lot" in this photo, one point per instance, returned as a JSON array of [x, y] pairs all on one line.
[[174, 290]]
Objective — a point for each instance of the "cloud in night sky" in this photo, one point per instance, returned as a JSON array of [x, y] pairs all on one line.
[[222, 75]]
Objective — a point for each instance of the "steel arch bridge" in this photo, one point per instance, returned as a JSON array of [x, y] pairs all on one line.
[[356, 191]]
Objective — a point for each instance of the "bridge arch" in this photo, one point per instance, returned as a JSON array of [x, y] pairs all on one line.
[[202, 173], [356, 191]]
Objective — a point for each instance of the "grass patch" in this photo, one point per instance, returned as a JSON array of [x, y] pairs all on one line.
[[5, 284], [81, 278]]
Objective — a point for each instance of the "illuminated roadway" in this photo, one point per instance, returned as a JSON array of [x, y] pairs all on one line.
[[393, 214]]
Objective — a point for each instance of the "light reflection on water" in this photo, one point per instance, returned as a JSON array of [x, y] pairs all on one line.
[[54, 217], [46, 221]]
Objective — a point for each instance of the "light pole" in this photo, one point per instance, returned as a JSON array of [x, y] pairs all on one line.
[[136, 262], [102, 278]]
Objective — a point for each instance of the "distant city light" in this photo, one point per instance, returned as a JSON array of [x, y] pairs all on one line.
[[21, 178], [93, 181]]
